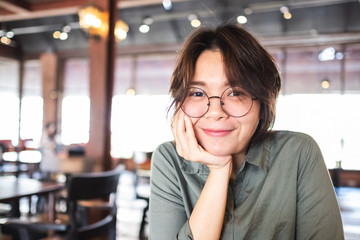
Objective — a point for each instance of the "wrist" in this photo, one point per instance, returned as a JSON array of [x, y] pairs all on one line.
[[224, 170]]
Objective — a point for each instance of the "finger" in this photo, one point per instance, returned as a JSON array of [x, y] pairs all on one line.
[[189, 129], [178, 131], [181, 132], [173, 124]]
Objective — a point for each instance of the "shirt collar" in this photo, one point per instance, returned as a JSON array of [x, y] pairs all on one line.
[[259, 154]]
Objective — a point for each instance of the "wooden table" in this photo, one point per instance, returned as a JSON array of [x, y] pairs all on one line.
[[12, 189]]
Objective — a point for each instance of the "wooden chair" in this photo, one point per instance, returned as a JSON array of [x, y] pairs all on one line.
[[87, 193]]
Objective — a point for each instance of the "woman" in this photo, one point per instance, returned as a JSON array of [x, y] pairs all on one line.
[[226, 175]]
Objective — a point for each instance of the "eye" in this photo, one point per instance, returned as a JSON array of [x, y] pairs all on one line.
[[196, 93], [236, 93]]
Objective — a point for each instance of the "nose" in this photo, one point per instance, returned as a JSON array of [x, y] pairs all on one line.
[[215, 108]]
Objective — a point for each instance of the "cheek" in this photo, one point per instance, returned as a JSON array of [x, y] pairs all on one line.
[[194, 121]]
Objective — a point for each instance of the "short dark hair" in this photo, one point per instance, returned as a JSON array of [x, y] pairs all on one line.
[[247, 64]]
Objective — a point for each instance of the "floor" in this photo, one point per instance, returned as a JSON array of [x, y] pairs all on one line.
[[349, 202], [130, 209]]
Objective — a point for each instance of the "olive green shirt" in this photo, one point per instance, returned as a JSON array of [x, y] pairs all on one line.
[[282, 191]]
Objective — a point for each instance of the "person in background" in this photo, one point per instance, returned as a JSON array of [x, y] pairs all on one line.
[[50, 162], [227, 175]]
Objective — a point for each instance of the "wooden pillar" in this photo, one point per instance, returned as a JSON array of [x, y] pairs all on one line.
[[49, 82], [101, 58]]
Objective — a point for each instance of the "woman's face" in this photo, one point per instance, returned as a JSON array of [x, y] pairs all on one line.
[[217, 132]]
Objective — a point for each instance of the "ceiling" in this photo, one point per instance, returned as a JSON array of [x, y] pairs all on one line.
[[33, 21]]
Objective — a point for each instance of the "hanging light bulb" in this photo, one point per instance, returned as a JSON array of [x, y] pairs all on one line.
[[121, 30], [92, 20]]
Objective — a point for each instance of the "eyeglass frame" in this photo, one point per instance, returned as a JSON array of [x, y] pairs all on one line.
[[221, 103]]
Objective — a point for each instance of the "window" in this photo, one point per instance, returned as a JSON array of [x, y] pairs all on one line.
[[9, 100], [331, 119], [32, 103], [139, 123], [75, 123], [327, 113]]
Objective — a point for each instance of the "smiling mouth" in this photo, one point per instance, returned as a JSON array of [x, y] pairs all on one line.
[[217, 133]]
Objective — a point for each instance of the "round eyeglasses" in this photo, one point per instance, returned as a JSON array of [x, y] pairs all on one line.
[[234, 101]]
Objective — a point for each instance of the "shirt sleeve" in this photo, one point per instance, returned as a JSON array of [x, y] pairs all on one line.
[[318, 214], [168, 219]]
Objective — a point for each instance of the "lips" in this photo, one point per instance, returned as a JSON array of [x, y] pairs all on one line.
[[217, 132]]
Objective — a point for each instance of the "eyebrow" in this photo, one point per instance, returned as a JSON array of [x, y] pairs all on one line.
[[199, 83]]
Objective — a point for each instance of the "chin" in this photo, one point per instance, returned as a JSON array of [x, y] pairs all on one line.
[[217, 149]]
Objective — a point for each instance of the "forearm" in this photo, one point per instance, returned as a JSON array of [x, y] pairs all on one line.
[[207, 217]]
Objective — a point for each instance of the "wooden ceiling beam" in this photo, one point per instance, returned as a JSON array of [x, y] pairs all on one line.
[[58, 4], [17, 7], [13, 10]]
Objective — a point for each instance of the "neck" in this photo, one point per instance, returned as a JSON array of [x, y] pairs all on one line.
[[238, 160]]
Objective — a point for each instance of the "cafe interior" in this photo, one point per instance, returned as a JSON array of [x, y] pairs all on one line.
[[84, 102]]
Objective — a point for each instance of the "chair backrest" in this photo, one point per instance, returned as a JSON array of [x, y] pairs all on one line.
[[85, 186], [91, 186]]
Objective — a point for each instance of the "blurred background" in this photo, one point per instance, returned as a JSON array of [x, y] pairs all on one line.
[[50, 58], [100, 71]]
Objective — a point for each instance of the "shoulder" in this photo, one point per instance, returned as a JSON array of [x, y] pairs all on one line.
[[166, 149], [165, 155], [292, 139], [298, 146]]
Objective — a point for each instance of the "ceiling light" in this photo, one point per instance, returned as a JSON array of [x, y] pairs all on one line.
[[286, 12], [284, 9], [194, 21], [339, 55], [92, 20], [144, 28], [248, 11], [121, 30], [327, 54], [10, 34], [241, 19], [148, 20], [167, 4], [287, 15], [325, 84], [5, 40], [56, 34], [63, 36], [131, 92], [66, 29]]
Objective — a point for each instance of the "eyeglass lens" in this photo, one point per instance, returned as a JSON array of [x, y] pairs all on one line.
[[234, 101]]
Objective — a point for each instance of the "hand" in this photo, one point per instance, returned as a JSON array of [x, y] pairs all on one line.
[[188, 147]]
